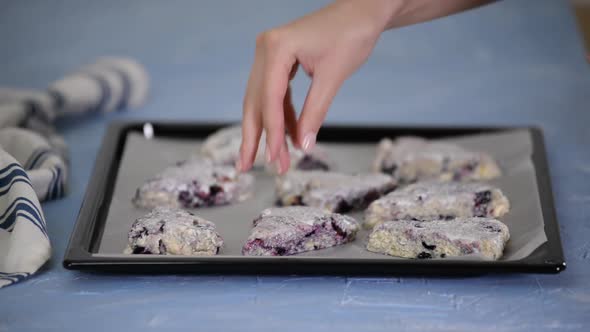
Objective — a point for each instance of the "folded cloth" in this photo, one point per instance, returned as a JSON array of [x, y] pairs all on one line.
[[34, 157], [27, 109], [38, 104], [24, 244], [112, 83]]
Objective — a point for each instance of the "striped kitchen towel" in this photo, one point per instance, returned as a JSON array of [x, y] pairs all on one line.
[[45, 166], [34, 157], [24, 243]]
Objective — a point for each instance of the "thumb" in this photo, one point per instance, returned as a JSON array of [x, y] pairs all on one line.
[[323, 89]]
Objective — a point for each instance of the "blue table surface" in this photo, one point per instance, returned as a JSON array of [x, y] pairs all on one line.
[[511, 63]]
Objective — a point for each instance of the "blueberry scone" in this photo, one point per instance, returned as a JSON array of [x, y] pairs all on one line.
[[292, 230], [441, 238], [438, 200], [194, 183], [336, 192], [166, 231], [223, 147], [409, 159]]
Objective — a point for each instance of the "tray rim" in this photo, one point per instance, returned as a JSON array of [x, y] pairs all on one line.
[[81, 253]]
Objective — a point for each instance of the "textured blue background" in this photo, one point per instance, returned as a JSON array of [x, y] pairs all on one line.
[[515, 62]]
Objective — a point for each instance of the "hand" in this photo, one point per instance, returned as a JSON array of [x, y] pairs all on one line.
[[330, 45]]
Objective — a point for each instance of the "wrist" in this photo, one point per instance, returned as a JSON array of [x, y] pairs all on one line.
[[391, 9], [372, 16], [385, 11]]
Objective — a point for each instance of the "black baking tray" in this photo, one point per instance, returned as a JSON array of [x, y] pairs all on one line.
[[81, 253]]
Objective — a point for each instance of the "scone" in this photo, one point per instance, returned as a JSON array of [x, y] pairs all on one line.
[[438, 200], [336, 192], [223, 148], [296, 229], [167, 231], [485, 237], [411, 159], [194, 183]]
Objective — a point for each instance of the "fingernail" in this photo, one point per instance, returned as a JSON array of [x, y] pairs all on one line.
[[308, 141], [239, 165], [267, 154]]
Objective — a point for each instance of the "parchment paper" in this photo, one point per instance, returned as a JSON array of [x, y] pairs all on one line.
[[142, 158]]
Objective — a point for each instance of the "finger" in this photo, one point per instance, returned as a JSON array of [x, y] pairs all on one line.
[[290, 117], [251, 119], [251, 132], [284, 160], [321, 92], [277, 67], [289, 109]]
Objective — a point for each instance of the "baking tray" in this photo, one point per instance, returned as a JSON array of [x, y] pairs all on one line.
[[106, 214]]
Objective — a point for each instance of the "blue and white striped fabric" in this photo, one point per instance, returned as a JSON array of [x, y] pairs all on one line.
[[24, 243], [45, 166], [34, 158]]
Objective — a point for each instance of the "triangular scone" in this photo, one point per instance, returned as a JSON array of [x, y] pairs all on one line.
[[194, 183], [482, 237], [223, 148], [336, 192], [166, 231], [438, 200], [410, 159], [296, 229]]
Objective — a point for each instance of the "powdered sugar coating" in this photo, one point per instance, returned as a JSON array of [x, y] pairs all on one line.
[[410, 159], [223, 148], [485, 237], [292, 230], [434, 199], [336, 192], [194, 183], [166, 231]]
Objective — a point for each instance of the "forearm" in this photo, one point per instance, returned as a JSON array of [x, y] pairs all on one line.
[[399, 13], [409, 12]]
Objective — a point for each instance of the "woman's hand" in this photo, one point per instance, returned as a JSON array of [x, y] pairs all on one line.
[[330, 45]]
